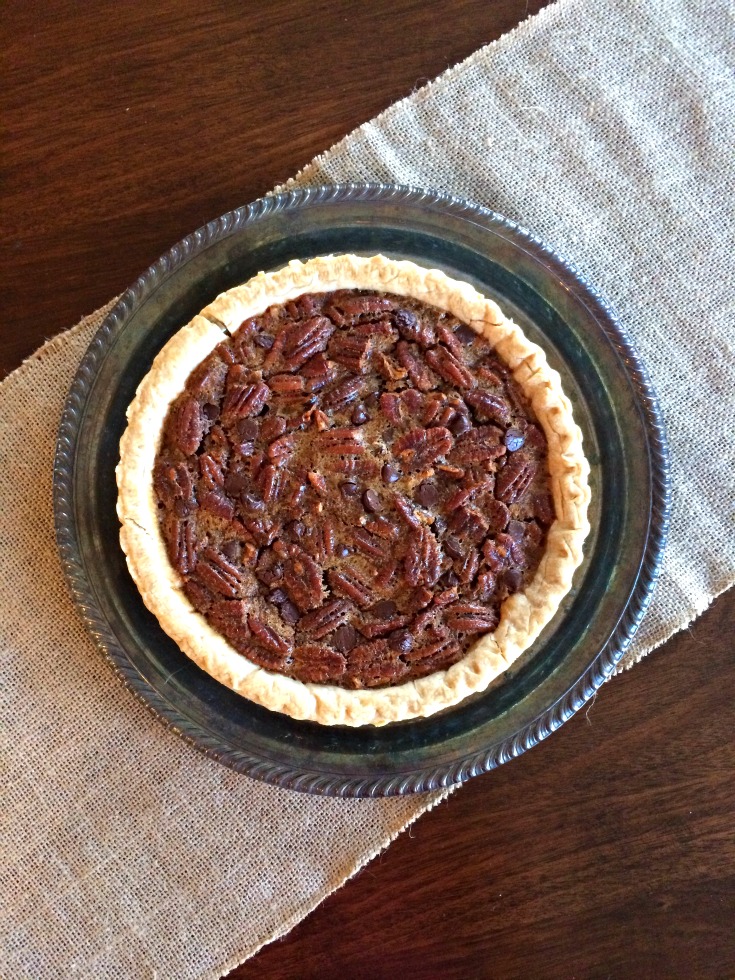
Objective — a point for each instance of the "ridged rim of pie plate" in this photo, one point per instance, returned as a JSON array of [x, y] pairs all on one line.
[[424, 780]]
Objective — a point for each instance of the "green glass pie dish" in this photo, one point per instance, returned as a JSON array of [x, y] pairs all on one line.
[[614, 405]]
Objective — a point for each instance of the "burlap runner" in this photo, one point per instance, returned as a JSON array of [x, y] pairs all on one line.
[[608, 128]]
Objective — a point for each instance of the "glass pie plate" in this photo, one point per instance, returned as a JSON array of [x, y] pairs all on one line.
[[613, 403]]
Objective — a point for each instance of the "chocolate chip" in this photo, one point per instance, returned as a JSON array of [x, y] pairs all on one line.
[[405, 319], [349, 489], [247, 430], [384, 609], [264, 340], [372, 400], [231, 550], [359, 415], [181, 508], [427, 494], [517, 530], [543, 508], [400, 640], [465, 334], [514, 440], [289, 613], [344, 639], [453, 548], [449, 580], [296, 529], [460, 424], [389, 473], [235, 483], [512, 579], [211, 411], [342, 551], [278, 597], [371, 502]]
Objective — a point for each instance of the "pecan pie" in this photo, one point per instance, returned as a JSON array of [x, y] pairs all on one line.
[[352, 491]]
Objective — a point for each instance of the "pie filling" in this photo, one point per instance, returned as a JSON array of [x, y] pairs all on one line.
[[350, 486]]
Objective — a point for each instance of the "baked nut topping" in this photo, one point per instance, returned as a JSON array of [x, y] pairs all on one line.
[[350, 486], [352, 490]]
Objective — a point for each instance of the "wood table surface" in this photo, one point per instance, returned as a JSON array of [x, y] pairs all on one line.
[[606, 851]]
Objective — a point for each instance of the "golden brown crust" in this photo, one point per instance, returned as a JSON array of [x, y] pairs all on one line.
[[523, 615]]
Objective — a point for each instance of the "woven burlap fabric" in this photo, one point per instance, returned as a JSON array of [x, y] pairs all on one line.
[[607, 127]]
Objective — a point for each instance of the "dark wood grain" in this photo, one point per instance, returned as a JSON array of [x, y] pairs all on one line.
[[132, 124], [608, 850]]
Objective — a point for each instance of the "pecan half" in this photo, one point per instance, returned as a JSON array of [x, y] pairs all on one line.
[[304, 306], [343, 309], [173, 482], [326, 618], [390, 406], [268, 480], [374, 663], [383, 626], [317, 664], [320, 540], [417, 369], [304, 340], [265, 636], [182, 546], [441, 649], [342, 394], [218, 574], [449, 367], [190, 425], [413, 328], [466, 494], [422, 564], [367, 544], [341, 442], [451, 341], [468, 523], [350, 583], [489, 407], [199, 596], [245, 401], [478, 445], [515, 478], [405, 509], [419, 448], [281, 448], [286, 384], [217, 504], [211, 470], [351, 350], [302, 577], [465, 567], [470, 618]]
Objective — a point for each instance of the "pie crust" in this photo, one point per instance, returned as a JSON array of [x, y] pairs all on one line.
[[523, 615]]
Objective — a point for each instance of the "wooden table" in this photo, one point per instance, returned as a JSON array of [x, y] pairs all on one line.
[[609, 849]]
